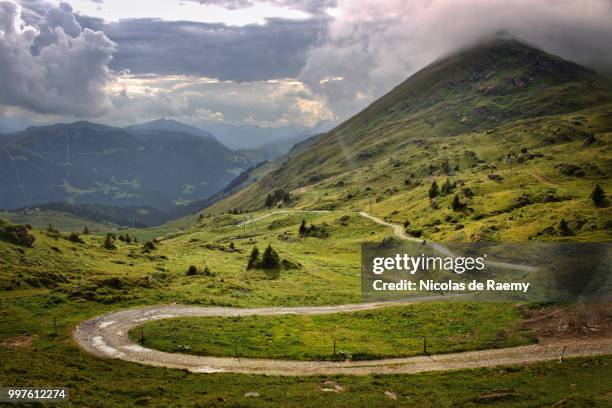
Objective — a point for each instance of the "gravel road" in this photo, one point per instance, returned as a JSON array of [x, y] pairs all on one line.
[[107, 336]]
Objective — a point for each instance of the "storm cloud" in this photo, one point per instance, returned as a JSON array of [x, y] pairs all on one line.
[[374, 45], [284, 71], [53, 67], [255, 52]]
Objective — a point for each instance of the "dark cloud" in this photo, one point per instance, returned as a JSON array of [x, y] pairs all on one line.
[[276, 49], [53, 65]]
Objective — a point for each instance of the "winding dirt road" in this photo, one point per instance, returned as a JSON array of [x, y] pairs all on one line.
[[107, 336]]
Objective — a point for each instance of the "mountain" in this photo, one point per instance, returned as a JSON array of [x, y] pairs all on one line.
[[170, 125], [9, 124], [86, 163], [255, 137], [520, 135]]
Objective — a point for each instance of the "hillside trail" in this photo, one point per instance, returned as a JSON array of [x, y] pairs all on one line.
[[107, 336]]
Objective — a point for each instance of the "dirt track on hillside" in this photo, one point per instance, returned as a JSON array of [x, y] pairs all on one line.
[[107, 336]]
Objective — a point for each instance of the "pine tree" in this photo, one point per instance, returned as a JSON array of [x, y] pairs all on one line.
[[456, 204], [85, 231], [434, 190], [564, 229], [598, 196], [253, 258], [270, 258], [108, 242], [303, 229]]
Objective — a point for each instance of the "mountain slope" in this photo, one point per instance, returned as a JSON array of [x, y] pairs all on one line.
[[94, 164], [512, 127], [170, 125]]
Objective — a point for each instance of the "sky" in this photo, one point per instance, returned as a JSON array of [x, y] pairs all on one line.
[[270, 63]]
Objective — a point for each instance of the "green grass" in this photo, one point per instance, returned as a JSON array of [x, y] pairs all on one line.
[[382, 333], [61, 221]]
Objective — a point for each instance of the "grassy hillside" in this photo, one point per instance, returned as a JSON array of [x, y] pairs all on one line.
[[59, 220], [516, 168], [523, 136]]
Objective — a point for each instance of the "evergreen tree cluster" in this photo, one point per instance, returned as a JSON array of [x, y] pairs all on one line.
[[313, 230], [268, 260], [278, 195]]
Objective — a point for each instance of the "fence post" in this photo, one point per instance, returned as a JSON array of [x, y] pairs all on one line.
[[236, 347], [55, 326], [424, 344], [334, 346], [562, 356], [141, 336]]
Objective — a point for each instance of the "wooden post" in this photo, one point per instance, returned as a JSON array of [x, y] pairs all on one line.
[[236, 347], [425, 344], [55, 326], [334, 346], [371, 212], [562, 356], [141, 336]]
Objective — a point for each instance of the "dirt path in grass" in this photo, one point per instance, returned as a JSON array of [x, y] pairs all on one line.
[[107, 336], [399, 232]]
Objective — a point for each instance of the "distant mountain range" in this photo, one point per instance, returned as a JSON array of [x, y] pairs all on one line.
[[162, 164]]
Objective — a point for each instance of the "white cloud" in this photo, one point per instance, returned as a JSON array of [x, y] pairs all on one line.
[[374, 45], [64, 74], [199, 100]]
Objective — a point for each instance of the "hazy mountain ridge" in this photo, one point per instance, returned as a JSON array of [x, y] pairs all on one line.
[[96, 164]]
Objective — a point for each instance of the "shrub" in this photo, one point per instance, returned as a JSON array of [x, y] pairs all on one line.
[[17, 234], [148, 246], [192, 270], [51, 229], [564, 229], [85, 231], [74, 237], [433, 190], [313, 230], [109, 242], [456, 205], [599, 197]]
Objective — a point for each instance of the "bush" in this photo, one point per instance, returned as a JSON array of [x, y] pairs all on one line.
[[74, 237], [456, 205], [599, 197], [192, 270], [109, 242], [564, 229], [17, 234], [313, 230], [148, 246], [433, 190]]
